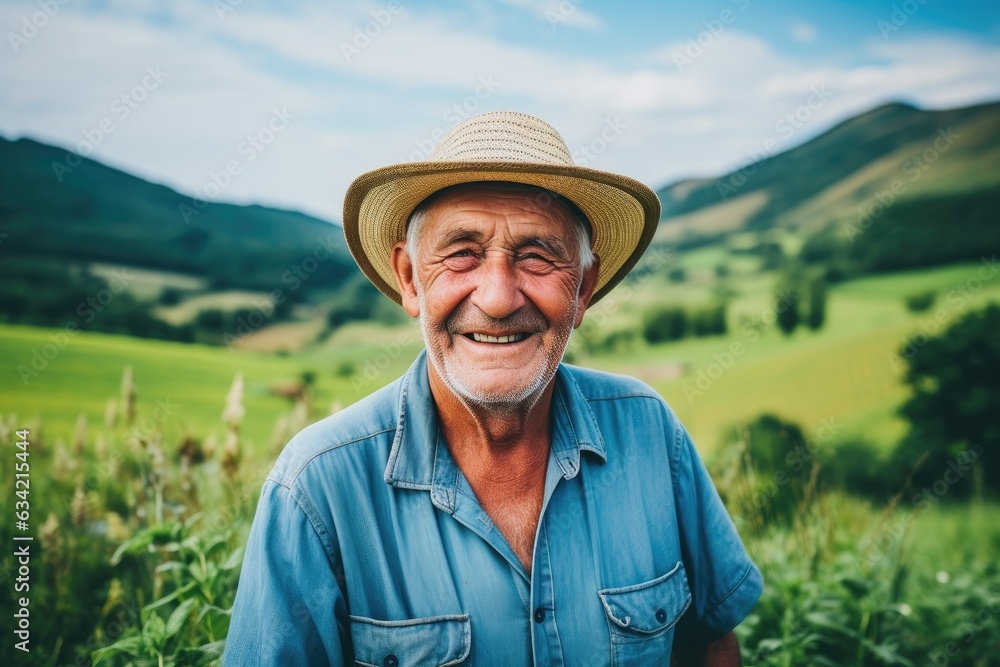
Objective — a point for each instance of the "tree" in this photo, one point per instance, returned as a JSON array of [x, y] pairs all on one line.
[[782, 464], [13, 305], [170, 296], [817, 303], [356, 301], [955, 383], [701, 322], [769, 442], [921, 301], [772, 255], [719, 319], [212, 320], [664, 324], [787, 306], [710, 320], [621, 340]]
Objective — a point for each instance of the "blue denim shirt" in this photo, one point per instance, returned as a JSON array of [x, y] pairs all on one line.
[[369, 545]]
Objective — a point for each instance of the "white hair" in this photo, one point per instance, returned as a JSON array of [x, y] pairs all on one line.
[[580, 226]]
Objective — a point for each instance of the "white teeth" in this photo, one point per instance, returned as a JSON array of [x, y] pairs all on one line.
[[483, 338]]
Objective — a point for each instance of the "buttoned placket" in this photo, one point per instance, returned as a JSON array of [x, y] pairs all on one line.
[[564, 464], [451, 492], [546, 648]]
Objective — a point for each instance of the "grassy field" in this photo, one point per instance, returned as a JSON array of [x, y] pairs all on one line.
[[148, 283], [87, 372], [187, 310], [848, 371]]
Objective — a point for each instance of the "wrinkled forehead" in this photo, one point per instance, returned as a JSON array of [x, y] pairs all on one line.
[[462, 203]]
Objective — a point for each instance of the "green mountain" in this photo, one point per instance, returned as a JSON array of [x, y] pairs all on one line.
[[896, 186], [80, 209]]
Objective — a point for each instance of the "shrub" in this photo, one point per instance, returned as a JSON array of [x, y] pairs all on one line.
[[710, 320], [170, 296], [345, 369], [955, 385], [665, 324], [787, 307], [920, 301], [211, 321], [765, 471], [772, 255], [816, 315], [618, 341], [856, 467], [356, 301]]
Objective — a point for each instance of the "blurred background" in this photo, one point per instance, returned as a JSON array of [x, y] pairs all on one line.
[[820, 306]]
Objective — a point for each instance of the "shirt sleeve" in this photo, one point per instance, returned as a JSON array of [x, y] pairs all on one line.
[[725, 583], [288, 602]]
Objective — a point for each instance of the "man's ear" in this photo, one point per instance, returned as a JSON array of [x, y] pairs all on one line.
[[587, 286], [402, 269]]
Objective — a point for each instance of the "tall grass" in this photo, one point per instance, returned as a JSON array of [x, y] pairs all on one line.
[[139, 545], [852, 583]]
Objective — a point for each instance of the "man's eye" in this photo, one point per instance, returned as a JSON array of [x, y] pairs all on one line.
[[465, 256], [532, 257], [462, 260]]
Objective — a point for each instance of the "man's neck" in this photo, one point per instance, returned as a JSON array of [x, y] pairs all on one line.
[[503, 453], [502, 447]]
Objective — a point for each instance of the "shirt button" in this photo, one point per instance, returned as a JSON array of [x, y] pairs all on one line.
[[390, 661], [539, 615], [661, 615]]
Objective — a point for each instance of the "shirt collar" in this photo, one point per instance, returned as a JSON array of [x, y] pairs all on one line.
[[418, 460]]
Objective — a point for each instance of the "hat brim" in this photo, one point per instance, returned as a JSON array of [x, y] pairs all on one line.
[[623, 213]]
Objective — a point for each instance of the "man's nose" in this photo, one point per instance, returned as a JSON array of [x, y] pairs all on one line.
[[498, 293]]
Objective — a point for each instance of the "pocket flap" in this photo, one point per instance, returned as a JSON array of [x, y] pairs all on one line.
[[438, 640], [650, 606]]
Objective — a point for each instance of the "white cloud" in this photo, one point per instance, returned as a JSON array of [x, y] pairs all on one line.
[[802, 31], [418, 73], [558, 13], [62, 85]]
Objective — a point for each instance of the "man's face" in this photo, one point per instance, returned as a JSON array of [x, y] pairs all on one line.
[[498, 287]]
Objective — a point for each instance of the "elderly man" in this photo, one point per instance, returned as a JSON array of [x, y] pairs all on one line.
[[494, 506]]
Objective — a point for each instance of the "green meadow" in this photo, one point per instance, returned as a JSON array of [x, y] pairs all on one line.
[[848, 371], [141, 521]]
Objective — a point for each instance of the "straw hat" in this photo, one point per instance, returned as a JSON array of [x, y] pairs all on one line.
[[499, 146]]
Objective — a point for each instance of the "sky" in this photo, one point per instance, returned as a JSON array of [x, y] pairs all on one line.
[[285, 103]]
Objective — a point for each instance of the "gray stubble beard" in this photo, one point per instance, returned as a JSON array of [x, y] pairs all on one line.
[[522, 401]]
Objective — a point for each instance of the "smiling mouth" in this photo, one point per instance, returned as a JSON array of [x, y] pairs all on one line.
[[483, 338]]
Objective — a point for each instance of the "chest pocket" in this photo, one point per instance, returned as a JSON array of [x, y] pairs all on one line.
[[641, 617], [439, 640]]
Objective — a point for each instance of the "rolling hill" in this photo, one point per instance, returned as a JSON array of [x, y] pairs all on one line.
[[894, 163], [931, 179], [54, 207]]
